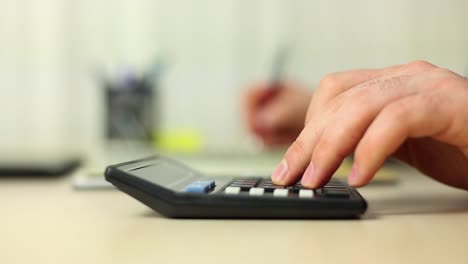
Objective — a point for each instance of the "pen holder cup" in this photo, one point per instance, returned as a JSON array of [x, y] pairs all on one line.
[[130, 113]]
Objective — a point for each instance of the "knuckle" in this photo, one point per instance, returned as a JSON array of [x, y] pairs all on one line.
[[326, 149], [327, 85], [357, 98], [446, 79], [443, 72], [329, 80], [421, 65], [297, 155], [338, 143], [429, 102], [360, 94], [335, 105], [398, 110], [323, 148], [432, 100], [320, 151], [297, 150]]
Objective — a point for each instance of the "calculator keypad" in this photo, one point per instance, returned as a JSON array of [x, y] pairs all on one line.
[[265, 187]]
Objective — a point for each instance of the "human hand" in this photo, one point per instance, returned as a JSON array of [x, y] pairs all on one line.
[[276, 115], [416, 112]]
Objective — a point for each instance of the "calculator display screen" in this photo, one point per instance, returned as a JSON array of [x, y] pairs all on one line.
[[165, 173]]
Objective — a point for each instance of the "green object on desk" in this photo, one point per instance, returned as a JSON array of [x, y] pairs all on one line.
[[183, 140]]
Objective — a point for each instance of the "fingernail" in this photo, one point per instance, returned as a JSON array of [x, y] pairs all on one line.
[[354, 176], [308, 176], [279, 174]]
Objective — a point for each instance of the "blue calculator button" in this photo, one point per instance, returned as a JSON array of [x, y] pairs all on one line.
[[200, 186]]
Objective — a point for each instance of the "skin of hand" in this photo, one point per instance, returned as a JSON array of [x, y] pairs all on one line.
[[416, 112], [276, 115]]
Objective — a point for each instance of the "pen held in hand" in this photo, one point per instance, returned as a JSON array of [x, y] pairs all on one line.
[[278, 68]]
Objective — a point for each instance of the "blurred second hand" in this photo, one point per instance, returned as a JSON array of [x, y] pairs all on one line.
[[275, 85]]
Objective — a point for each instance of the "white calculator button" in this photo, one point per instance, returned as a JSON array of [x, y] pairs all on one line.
[[306, 193], [232, 190], [256, 191], [280, 192]]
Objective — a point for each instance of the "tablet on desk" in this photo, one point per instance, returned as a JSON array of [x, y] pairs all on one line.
[[175, 190]]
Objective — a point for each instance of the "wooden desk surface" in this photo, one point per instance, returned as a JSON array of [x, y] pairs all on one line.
[[46, 221]]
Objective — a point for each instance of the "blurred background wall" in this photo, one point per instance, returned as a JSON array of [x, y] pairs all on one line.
[[51, 50]]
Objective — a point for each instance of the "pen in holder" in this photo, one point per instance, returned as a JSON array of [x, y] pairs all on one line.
[[130, 105]]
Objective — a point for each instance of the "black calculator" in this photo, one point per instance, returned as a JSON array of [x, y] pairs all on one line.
[[177, 191]]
